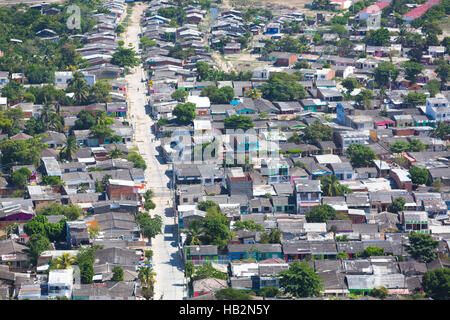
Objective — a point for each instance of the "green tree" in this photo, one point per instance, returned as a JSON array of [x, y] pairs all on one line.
[[137, 160], [231, 294], [253, 93], [301, 280], [378, 37], [65, 261], [418, 175], [433, 87], [100, 92], [20, 177], [415, 98], [380, 293], [283, 88], [101, 131], [146, 43], [180, 95], [397, 205], [316, 132], [436, 283], [208, 271], [85, 120], [194, 233], [70, 211], [442, 130], [443, 71], [117, 274], [36, 245], [204, 205], [269, 292], [274, 236], [51, 181], [147, 279], [21, 151], [217, 231], [363, 98], [331, 187], [124, 57], [384, 73], [149, 227], [399, 146], [415, 145], [78, 85], [342, 255], [350, 84], [249, 225], [185, 113], [370, 251], [238, 122], [360, 155], [69, 149], [412, 69], [13, 91], [422, 246], [321, 213], [120, 29]]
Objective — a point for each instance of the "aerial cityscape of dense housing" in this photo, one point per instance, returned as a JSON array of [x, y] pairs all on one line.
[[224, 150]]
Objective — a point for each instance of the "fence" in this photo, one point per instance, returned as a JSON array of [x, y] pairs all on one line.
[[198, 262]]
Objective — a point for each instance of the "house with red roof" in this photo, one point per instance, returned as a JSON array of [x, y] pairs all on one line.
[[373, 10], [419, 11]]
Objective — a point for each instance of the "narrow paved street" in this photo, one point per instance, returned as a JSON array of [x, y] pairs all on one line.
[[166, 258]]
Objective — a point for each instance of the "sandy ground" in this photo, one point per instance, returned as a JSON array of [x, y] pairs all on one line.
[[244, 61]]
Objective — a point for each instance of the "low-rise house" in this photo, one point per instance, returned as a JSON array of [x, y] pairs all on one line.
[[60, 283], [365, 283], [111, 290], [77, 233], [256, 251], [124, 190], [208, 286], [308, 194], [438, 109], [402, 179], [415, 221], [201, 254]]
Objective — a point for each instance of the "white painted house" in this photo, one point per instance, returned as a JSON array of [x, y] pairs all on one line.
[[438, 109]]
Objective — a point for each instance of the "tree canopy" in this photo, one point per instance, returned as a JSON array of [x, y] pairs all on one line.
[[418, 175], [282, 87], [300, 280], [436, 283], [422, 246], [321, 213], [125, 57], [185, 113], [317, 132], [360, 155], [238, 122]]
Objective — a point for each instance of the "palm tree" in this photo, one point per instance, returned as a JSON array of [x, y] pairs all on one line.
[[331, 187], [69, 150], [65, 261], [116, 153], [79, 87], [146, 277], [194, 233], [54, 123], [47, 111]]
